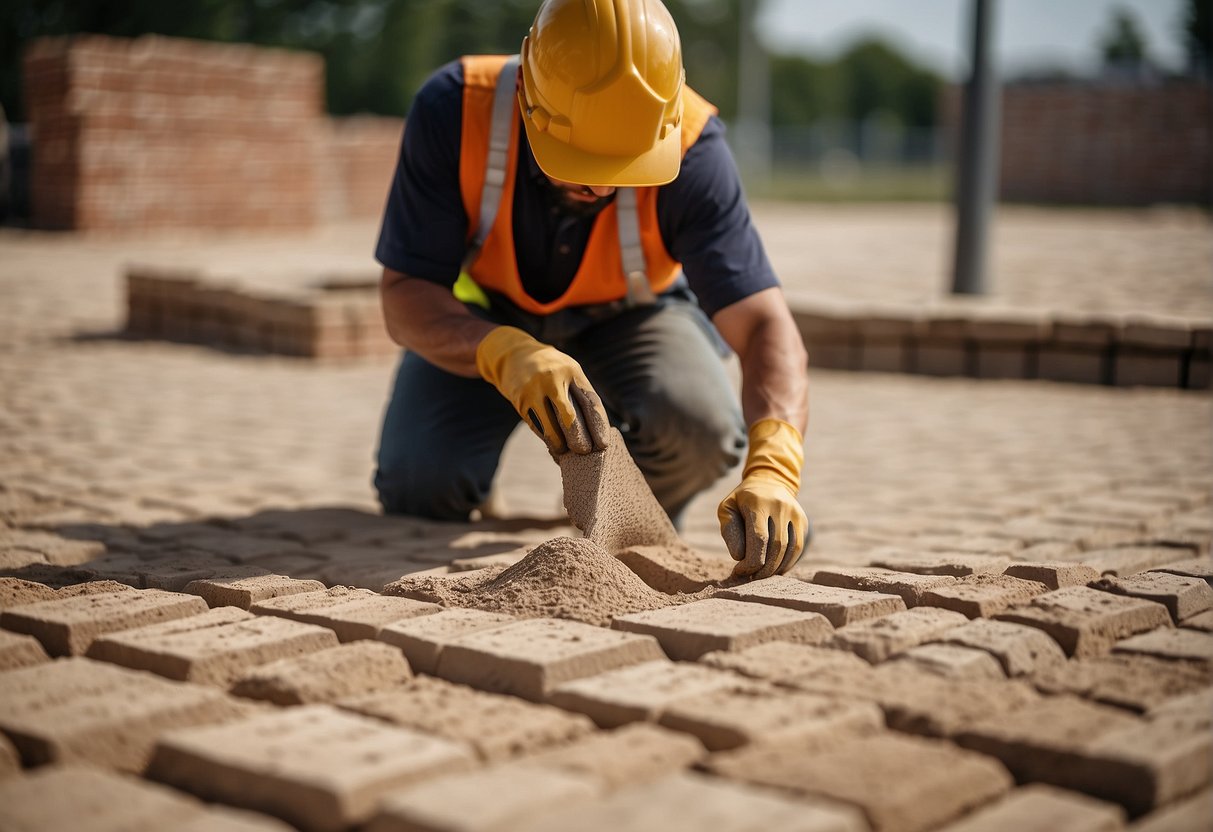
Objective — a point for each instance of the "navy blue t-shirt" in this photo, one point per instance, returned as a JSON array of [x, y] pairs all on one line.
[[702, 215]]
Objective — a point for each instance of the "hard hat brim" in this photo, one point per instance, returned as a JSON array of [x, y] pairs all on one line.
[[657, 166]]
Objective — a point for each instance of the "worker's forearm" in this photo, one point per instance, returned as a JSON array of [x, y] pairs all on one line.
[[426, 318], [774, 373]]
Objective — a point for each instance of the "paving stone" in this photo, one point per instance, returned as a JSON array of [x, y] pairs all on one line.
[[316, 767], [839, 606], [1190, 568], [1037, 806], [175, 573], [1189, 815], [1201, 621], [18, 650], [956, 564], [754, 712], [1019, 649], [1136, 682], [326, 675], [636, 753], [244, 591], [55, 798], [1055, 575], [880, 638], [349, 612], [92, 588], [1183, 597], [905, 584], [953, 661], [1085, 621], [784, 663], [638, 693], [687, 631], [981, 596], [693, 802], [10, 760], [78, 710], [1196, 707], [532, 658], [216, 647], [15, 592], [496, 727], [423, 638], [1168, 643], [922, 783], [1128, 560], [67, 626], [482, 800]]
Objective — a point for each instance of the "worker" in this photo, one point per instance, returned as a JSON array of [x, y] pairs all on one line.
[[566, 242]]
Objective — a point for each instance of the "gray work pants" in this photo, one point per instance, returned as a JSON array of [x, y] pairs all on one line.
[[657, 369]]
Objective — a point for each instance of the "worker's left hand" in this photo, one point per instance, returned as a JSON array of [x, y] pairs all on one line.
[[761, 521]]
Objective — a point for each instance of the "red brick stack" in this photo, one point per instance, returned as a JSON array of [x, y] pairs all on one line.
[[361, 157], [158, 132]]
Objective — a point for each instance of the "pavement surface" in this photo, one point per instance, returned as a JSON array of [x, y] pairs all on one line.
[[1005, 618]]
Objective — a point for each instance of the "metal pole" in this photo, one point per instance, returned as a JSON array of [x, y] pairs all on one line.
[[977, 167], [753, 100]]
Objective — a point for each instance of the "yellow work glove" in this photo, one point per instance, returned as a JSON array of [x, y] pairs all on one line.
[[546, 387], [761, 522]]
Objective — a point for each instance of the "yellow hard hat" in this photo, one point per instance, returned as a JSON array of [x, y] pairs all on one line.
[[601, 92]]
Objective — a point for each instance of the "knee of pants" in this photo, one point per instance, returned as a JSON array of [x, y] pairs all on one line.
[[434, 491], [701, 447]]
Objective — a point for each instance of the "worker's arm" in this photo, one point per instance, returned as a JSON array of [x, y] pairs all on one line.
[[762, 523], [546, 387]]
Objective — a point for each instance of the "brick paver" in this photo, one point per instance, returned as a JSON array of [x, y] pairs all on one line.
[[1086, 622], [423, 637], [952, 660], [1167, 643], [326, 675], [1054, 575], [880, 638], [909, 585], [624, 756], [639, 692], [78, 710], [839, 606], [315, 766], [350, 613], [1038, 806], [982, 595], [1020, 650], [1183, 596], [243, 592], [18, 650], [1134, 681]]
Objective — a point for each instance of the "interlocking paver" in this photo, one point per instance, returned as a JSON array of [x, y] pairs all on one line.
[[687, 631], [10, 760], [67, 626], [349, 612], [956, 564], [692, 801], [1054, 575], [1184, 816], [1190, 568], [923, 783], [1037, 806], [1086, 622], [1136, 682], [78, 710], [839, 606], [908, 585], [1183, 596], [482, 800], [880, 638], [1167, 643], [952, 660], [243, 592], [984, 595], [639, 692], [326, 675], [423, 638], [313, 766], [1020, 650], [18, 650], [781, 662], [216, 647], [532, 658], [62, 797], [496, 727], [1128, 560], [635, 753], [14, 592], [755, 712], [1201, 621]]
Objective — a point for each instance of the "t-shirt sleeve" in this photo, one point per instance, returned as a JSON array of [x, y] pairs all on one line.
[[424, 228], [706, 226]]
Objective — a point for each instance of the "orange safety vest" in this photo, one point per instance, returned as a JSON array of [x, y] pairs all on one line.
[[601, 276]]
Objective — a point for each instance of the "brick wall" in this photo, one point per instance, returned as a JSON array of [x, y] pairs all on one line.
[[1104, 143], [163, 132]]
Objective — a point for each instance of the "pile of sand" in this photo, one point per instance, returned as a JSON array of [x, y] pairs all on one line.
[[564, 577]]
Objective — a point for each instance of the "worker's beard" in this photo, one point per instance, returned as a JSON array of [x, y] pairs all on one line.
[[570, 204]]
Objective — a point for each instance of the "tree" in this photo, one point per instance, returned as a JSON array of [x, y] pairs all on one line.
[[1123, 45], [1198, 34]]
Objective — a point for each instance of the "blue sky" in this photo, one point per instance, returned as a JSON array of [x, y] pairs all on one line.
[[1030, 33]]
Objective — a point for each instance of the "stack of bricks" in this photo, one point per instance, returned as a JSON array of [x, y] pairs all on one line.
[[182, 306], [156, 132], [169, 133], [1122, 350]]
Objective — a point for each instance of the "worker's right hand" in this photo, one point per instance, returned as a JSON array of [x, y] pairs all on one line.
[[547, 388]]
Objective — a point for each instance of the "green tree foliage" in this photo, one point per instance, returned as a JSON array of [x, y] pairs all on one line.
[[1123, 44], [1198, 34]]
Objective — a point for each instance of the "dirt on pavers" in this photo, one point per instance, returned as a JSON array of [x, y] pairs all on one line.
[[565, 577]]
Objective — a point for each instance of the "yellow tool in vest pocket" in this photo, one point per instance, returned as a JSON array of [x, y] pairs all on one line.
[[467, 290]]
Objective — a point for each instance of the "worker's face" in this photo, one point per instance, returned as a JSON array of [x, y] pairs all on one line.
[[581, 198]]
